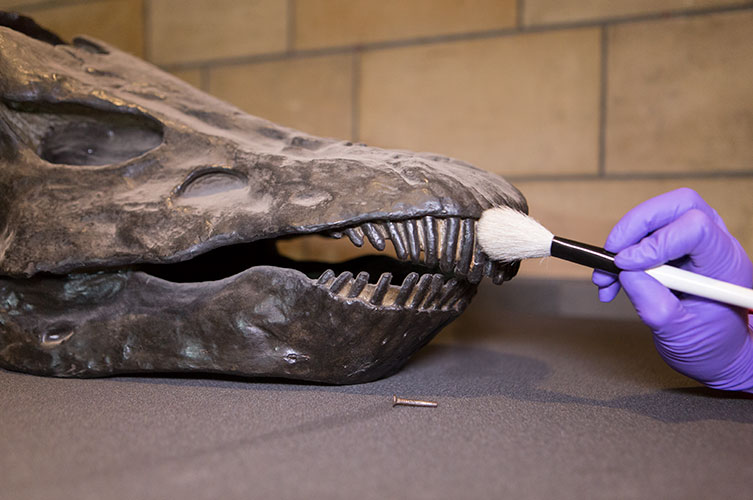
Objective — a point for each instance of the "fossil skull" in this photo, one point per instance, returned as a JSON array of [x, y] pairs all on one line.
[[139, 216]]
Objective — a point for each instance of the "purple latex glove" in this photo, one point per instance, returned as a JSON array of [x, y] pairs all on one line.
[[703, 339]]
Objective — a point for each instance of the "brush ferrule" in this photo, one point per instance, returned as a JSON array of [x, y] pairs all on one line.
[[584, 254]]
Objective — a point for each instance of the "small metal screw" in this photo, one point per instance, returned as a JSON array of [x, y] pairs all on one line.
[[412, 402]]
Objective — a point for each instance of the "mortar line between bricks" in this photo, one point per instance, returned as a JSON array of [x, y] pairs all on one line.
[[603, 88], [520, 13], [290, 35], [355, 98]]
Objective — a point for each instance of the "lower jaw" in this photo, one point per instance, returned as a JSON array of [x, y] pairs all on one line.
[[264, 322]]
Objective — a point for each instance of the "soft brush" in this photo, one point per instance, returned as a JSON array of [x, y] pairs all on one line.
[[506, 234]]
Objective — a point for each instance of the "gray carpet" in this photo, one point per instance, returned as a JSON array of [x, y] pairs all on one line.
[[530, 406]]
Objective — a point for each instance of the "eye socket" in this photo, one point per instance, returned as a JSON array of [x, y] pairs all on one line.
[[73, 134], [90, 142]]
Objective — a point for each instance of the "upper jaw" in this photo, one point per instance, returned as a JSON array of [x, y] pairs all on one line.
[[160, 221]]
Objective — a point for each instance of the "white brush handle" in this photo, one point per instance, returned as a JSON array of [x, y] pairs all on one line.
[[702, 286]]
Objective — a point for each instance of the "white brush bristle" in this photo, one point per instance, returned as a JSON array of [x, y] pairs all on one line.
[[506, 234]]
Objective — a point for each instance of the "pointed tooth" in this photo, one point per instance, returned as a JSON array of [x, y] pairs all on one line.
[[500, 272], [430, 233], [459, 296], [361, 280], [435, 287], [489, 268], [414, 245], [374, 235], [341, 281], [440, 224], [325, 277], [422, 288], [512, 269], [467, 239], [405, 289], [398, 241], [381, 289], [461, 304], [449, 249], [477, 269], [498, 278], [356, 235], [448, 292], [335, 234]]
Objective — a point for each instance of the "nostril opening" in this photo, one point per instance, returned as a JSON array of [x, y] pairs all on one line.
[[210, 181]]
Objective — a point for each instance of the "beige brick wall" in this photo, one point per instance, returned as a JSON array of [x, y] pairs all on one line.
[[588, 106]]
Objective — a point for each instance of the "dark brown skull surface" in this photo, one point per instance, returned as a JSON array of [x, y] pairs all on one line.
[[139, 217]]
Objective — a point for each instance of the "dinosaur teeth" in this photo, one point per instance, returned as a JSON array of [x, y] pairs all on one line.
[[340, 282], [431, 258], [406, 289], [467, 242], [374, 234], [450, 244], [396, 230], [414, 240], [381, 289], [422, 288], [326, 277], [418, 292], [449, 291], [500, 273], [435, 287], [358, 285], [356, 235], [447, 244], [477, 266]]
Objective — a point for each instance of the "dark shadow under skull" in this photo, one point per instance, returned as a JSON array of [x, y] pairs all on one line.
[[139, 217]]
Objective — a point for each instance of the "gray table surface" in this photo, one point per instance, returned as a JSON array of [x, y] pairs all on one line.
[[530, 406]]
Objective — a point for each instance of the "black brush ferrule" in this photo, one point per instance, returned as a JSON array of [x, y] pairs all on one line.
[[584, 254]]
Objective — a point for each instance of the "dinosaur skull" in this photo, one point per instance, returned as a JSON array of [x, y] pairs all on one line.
[[139, 219]]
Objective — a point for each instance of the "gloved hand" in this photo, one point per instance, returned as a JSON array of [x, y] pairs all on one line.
[[703, 339]]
